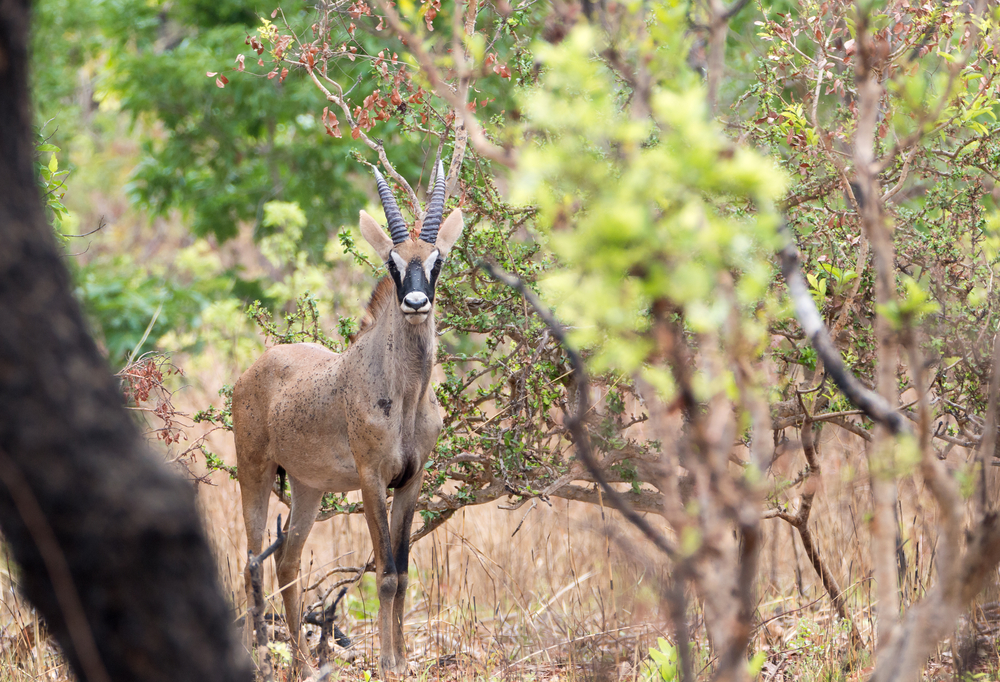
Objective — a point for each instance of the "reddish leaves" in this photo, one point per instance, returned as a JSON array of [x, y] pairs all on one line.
[[255, 45], [142, 382], [330, 122], [395, 96], [498, 68], [360, 9], [221, 81], [433, 7]]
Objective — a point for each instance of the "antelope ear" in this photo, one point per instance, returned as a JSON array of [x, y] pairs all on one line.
[[376, 236], [451, 230]]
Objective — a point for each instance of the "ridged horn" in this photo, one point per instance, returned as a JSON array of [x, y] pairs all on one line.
[[435, 209], [397, 226]]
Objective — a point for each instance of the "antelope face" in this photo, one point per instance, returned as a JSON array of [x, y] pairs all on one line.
[[414, 267], [414, 264]]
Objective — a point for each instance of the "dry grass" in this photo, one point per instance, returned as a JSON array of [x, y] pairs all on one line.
[[570, 594], [482, 599]]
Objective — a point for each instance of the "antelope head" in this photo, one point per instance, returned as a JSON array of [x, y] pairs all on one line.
[[414, 264]]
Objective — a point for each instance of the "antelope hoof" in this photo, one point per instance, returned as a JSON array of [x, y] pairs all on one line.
[[396, 667]]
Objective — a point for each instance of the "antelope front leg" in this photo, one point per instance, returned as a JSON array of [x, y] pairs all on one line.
[[376, 514], [404, 501]]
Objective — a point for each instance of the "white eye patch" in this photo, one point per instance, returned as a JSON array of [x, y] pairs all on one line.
[[429, 263], [400, 263]]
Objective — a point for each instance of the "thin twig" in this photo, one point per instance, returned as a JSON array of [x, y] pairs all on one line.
[[477, 135], [255, 566]]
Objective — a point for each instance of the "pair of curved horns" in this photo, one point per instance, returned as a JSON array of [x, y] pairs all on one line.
[[432, 219]]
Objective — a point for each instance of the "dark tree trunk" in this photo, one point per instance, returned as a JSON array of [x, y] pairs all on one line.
[[110, 545]]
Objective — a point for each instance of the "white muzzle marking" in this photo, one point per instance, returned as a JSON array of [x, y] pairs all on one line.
[[416, 306]]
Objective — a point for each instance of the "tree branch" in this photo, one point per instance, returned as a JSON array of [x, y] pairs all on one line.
[[873, 405], [482, 144]]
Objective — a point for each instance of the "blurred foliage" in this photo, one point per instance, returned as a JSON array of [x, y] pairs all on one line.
[[127, 299], [632, 241], [218, 156]]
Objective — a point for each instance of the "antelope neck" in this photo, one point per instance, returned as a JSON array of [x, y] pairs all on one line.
[[405, 353]]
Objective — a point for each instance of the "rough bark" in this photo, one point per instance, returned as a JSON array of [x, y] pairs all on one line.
[[110, 545]]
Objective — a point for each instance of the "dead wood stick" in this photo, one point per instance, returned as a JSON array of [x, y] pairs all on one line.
[[805, 534], [325, 618]]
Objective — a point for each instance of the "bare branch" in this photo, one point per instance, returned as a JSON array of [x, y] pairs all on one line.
[[873, 405], [376, 145], [255, 566], [987, 445], [482, 144], [718, 28]]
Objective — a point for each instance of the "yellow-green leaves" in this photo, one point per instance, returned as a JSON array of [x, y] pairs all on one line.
[[284, 214], [287, 219], [911, 307], [642, 201]]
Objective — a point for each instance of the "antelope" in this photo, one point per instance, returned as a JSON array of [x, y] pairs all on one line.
[[363, 419]]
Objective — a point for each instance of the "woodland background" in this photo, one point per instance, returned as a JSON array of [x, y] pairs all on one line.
[[640, 165]]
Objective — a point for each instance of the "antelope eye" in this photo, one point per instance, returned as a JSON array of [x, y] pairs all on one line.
[[433, 262], [396, 263]]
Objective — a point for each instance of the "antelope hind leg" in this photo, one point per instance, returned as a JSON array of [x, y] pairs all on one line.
[[255, 491], [305, 505]]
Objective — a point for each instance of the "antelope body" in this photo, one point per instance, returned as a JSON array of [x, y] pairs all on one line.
[[364, 419]]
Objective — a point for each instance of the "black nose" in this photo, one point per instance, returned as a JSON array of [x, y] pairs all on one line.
[[417, 302]]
